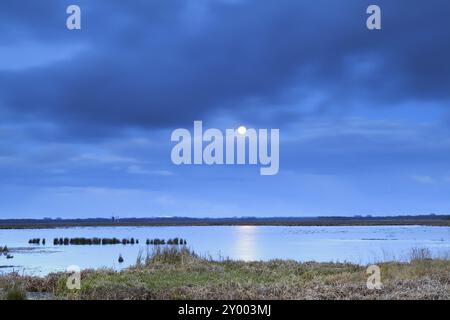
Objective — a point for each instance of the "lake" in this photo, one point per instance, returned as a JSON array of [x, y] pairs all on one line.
[[360, 245]]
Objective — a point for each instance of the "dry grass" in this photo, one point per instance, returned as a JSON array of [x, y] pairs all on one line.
[[169, 273]]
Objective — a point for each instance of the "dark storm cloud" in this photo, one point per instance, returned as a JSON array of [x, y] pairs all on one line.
[[154, 64]]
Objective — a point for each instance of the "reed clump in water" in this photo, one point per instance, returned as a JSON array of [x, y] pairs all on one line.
[[5, 251], [109, 241], [36, 241], [174, 241], [90, 241]]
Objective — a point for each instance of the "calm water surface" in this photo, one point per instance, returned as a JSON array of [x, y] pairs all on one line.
[[362, 245]]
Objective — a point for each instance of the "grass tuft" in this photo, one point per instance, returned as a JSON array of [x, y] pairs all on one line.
[[174, 255], [15, 293], [420, 254]]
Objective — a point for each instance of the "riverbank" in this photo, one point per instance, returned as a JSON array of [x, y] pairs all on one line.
[[180, 274]]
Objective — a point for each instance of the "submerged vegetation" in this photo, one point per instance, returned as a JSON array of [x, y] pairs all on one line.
[[175, 272]]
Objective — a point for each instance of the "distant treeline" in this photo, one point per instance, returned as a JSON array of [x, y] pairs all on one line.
[[430, 219]]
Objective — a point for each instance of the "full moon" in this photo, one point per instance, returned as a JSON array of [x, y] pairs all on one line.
[[242, 130]]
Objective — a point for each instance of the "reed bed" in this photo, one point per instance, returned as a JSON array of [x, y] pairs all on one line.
[[109, 241]]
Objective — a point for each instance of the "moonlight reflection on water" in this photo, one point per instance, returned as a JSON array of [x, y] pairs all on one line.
[[361, 245]]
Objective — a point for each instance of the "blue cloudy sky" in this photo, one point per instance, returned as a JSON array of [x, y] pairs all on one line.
[[86, 116]]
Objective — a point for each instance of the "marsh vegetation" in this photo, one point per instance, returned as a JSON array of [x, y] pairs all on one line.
[[175, 272]]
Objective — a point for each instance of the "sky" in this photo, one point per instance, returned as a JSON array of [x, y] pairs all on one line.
[[86, 115]]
